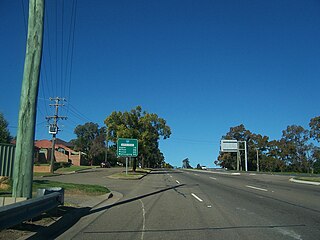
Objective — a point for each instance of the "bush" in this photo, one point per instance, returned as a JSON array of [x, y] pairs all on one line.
[[58, 165], [5, 183]]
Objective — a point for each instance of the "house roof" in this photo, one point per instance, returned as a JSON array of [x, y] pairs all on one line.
[[48, 144], [43, 143], [64, 143]]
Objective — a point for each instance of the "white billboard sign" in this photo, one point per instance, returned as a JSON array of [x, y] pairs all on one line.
[[229, 146]]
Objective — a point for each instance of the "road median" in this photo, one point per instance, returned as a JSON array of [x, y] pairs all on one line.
[[306, 180], [131, 175]]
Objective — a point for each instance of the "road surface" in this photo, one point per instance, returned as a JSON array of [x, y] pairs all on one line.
[[207, 205]]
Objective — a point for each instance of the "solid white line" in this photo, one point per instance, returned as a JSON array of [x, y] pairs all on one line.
[[177, 182], [196, 174], [235, 174], [196, 197], [256, 188], [143, 219], [213, 178], [252, 174]]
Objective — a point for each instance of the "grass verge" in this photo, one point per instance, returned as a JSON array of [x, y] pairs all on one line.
[[73, 169], [71, 188], [311, 179], [129, 176], [138, 174]]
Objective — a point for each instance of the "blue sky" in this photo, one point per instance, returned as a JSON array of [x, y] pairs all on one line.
[[204, 66]]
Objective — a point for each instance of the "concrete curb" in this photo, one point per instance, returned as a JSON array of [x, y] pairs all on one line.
[[125, 178], [304, 182]]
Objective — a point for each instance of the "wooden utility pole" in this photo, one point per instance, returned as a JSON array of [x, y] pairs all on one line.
[[23, 163], [54, 129], [257, 159]]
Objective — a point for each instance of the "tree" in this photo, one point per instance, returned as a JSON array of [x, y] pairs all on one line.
[[274, 160], [316, 160], [4, 132], [227, 160], [90, 140], [148, 128], [315, 128], [293, 152], [186, 163], [295, 148], [254, 142], [239, 133]]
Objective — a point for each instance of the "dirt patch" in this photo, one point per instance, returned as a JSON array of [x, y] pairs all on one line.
[[74, 200], [27, 228]]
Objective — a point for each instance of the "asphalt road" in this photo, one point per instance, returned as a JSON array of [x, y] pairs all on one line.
[[206, 205]]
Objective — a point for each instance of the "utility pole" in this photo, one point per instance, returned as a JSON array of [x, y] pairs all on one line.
[[238, 156], [53, 127], [257, 159], [24, 154], [106, 154]]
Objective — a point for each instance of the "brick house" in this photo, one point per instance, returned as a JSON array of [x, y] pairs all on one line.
[[63, 152]]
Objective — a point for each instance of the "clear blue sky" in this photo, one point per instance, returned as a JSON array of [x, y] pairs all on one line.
[[204, 66]]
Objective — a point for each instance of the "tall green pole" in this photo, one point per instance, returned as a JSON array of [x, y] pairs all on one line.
[[23, 162]]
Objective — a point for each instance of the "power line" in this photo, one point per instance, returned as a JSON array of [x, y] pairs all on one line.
[[72, 48], [71, 29], [49, 49], [56, 44], [75, 110], [61, 73], [24, 18], [78, 115]]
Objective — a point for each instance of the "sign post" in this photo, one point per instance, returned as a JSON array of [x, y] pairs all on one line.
[[234, 146], [127, 147]]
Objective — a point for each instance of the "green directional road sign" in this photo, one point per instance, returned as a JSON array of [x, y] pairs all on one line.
[[127, 147]]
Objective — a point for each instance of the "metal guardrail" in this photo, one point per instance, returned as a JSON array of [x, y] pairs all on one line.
[[16, 213]]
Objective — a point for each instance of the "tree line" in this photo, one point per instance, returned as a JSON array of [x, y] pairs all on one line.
[[100, 143], [148, 128], [296, 151]]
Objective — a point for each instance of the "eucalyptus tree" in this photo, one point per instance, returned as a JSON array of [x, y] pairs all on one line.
[[148, 128], [90, 140], [295, 147], [315, 128]]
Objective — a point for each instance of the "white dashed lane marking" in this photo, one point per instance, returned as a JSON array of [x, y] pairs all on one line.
[[257, 188], [196, 197]]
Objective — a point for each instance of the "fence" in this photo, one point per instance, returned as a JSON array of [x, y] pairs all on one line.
[[6, 159]]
